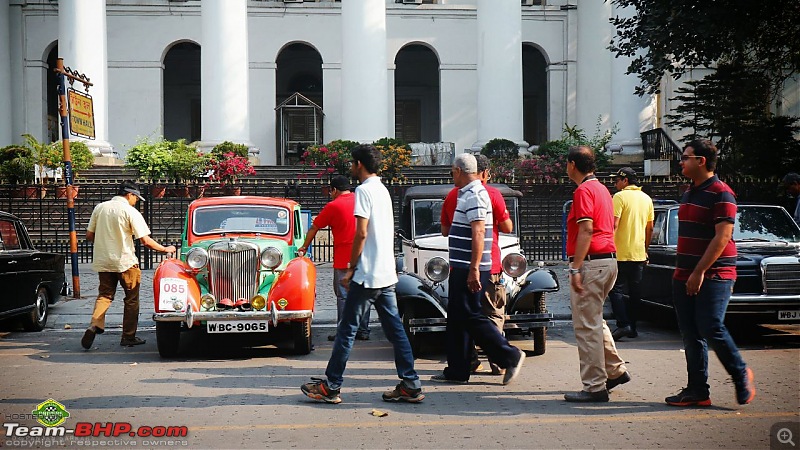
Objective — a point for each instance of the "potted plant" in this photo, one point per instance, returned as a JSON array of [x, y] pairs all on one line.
[[80, 156], [395, 156], [40, 153], [187, 166], [17, 167], [228, 169], [152, 160]]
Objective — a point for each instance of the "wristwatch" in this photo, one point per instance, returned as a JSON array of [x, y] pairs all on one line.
[[574, 271]]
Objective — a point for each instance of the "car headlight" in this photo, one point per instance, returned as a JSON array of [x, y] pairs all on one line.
[[514, 265], [258, 302], [271, 257], [437, 269], [197, 258]]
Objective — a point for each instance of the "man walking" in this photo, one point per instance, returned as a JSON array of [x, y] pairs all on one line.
[[112, 228], [633, 227], [493, 300], [470, 240], [371, 278], [705, 271], [338, 214], [592, 272]]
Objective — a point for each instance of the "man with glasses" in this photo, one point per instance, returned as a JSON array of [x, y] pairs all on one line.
[[705, 271], [338, 215], [633, 227]]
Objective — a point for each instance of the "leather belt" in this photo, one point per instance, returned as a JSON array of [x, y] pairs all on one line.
[[596, 256]]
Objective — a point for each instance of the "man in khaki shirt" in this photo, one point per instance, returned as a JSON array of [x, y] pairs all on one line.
[[113, 227]]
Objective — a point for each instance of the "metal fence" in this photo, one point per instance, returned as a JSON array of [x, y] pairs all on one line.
[[540, 222]]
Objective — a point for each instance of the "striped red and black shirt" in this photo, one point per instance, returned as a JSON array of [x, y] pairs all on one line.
[[702, 208]]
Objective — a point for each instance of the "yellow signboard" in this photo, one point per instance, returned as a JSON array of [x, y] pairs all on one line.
[[81, 114]]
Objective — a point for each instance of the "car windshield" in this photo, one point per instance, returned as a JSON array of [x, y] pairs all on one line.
[[241, 219], [428, 212], [753, 224]]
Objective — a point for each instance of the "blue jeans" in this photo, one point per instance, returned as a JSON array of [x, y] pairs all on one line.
[[341, 295], [701, 321], [358, 300], [629, 273]]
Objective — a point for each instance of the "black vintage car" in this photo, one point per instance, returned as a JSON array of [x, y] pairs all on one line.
[[423, 269], [767, 288], [30, 280]]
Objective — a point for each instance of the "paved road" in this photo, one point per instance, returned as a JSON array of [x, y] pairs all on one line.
[[250, 398]]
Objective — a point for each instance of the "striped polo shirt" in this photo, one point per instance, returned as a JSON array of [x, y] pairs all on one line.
[[473, 204], [702, 208]]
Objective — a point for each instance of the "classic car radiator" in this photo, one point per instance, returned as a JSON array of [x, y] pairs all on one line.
[[782, 279], [233, 268]]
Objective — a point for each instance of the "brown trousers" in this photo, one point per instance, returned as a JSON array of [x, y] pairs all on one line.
[[130, 280], [596, 350], [493, 301]]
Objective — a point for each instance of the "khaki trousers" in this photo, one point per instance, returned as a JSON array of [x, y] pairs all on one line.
[[493, 301], [598, 354], [130, 280]]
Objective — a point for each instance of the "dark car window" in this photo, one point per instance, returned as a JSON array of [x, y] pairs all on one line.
[[241, 219], [672, 227], [426, 217], [9, 239], [764, 223]]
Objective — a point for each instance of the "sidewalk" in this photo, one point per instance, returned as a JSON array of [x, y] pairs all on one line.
[[77, 313]]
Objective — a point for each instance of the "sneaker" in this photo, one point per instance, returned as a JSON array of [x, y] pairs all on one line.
[[611, 383], [621, 332], [688, 397], [130, 342], [746, 388], [319, 390], [442, 378], [587, 397], [88, 338], [402, 393], [513, 371]]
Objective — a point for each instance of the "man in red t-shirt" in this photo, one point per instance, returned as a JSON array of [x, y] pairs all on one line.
[[338, 214], [592, 273], [493, 301]]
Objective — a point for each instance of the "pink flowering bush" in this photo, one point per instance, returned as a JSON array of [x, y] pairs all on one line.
[[229, 168], [541, 167], [332, 158]]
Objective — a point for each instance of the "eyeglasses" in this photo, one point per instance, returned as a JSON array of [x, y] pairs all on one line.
[[686, 157]]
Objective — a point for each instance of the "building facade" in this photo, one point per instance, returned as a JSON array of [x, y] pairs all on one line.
[[278, 75]]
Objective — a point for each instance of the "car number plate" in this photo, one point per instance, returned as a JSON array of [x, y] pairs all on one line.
[[237, 326], [788, 315]]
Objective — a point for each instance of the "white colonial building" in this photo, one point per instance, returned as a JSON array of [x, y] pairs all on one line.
[[278, 75]]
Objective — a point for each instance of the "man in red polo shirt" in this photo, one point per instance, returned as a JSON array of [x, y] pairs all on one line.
[[592, 273], [338, 214], [493, 301]]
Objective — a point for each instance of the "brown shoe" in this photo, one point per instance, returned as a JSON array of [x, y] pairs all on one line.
[[88, 339], [131, 342]]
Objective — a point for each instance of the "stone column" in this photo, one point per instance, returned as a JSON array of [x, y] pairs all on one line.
[[225, 79], [499, 71], [365, 85], [82, 42], [594, 64], [6, 136], [633, 114]]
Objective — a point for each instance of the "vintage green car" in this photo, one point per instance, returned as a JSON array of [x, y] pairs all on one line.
[[237, 272]]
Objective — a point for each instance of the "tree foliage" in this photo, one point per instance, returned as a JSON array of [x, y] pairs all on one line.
[[670, 37]]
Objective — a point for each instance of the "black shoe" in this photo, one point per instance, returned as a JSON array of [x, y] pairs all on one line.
[[611, 383], [621, 332], [587, 397], [331, 337], [688, 397], [88, 339], [362, 336], [131, 342], [633, 333], [513, 371], [442, 378]]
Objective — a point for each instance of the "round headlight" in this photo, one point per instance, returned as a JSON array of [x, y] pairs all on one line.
[[437, 269], [258, 302], [271, 257], [197, 258], [207, 301], [514, 265]]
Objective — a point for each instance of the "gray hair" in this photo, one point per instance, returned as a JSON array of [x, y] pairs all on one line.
[[466, 162]]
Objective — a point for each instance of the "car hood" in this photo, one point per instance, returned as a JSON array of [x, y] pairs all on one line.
[[774, 248]]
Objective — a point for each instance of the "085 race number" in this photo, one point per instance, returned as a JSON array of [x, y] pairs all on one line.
[[172, 289]]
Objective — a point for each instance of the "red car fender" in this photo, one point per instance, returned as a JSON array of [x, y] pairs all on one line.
[[175, 269], [296, 284]]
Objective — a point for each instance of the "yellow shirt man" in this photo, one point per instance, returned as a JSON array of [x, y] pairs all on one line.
[[116, 224], [633, 220]]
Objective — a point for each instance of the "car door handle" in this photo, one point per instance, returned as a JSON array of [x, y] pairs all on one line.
[[12, 262], [37, 259]]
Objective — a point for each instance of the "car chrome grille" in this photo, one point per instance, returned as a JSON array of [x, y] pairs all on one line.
[[782, 279], [233, 269]]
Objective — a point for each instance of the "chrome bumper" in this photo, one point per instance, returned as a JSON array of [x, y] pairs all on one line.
[[523, 322], [272, 314]]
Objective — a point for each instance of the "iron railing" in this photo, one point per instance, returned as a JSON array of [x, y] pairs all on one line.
[[658, 145]]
